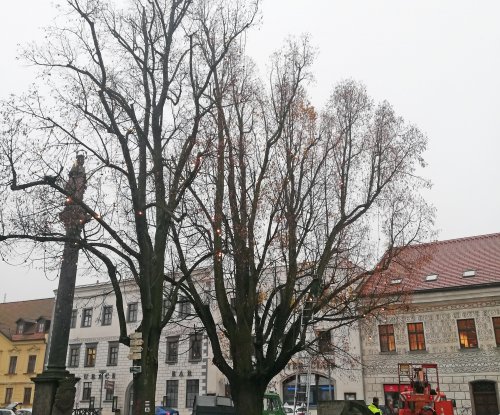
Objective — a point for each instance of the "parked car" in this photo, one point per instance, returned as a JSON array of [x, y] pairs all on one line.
[[10, 409], [163, 410], [300, 408], [24, 411]]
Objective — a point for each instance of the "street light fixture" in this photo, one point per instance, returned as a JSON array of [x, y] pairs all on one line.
[[101, 374]]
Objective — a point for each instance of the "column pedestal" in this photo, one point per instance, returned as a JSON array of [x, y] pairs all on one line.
[[54, 393]]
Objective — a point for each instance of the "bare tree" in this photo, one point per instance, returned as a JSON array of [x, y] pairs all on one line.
[[288, 208], [130, 87]]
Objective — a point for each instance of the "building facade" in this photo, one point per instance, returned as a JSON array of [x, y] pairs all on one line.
[[335, 373], [185, 358], [102, 363], [24, 328], [452, 320]]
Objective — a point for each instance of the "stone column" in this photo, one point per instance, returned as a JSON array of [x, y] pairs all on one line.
[[55, 386]]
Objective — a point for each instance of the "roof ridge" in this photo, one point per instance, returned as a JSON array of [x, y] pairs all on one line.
[[26, 301], [461, 239]]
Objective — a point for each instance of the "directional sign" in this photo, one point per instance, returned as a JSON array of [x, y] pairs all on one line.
[[136, 342], [135, 369], [135, 335], [136, 349], [134, 356]]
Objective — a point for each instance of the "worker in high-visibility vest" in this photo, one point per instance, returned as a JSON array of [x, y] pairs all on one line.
[[374, 406]]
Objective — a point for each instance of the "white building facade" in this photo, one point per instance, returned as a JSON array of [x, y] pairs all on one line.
[[102, 364], [185, 359]]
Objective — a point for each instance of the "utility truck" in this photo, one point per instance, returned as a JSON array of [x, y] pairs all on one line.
[[424, 396]]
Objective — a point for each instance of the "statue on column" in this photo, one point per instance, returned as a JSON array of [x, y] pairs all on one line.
[[73, 214]]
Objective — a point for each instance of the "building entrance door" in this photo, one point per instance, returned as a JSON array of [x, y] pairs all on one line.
[[129, 399], [485, 397]]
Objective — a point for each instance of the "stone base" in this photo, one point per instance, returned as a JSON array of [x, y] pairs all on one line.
[[54, 393]]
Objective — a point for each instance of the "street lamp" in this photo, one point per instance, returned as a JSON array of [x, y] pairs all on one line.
[[101, 374]]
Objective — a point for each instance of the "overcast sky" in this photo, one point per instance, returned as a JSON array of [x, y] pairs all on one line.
[[436, 61]]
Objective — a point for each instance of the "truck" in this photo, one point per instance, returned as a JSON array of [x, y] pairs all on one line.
[[212, 404], [420, 393]]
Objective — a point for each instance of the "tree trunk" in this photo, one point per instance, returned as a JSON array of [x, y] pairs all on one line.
[[248, 396], [145, 382]]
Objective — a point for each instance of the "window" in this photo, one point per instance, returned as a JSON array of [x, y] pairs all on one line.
[[467, 333], [195, 347], [74, 314], [350, 396], [90, 355], [20, 327], [27, 396], [12, 365], [107, 315], [207, 293], [87, 391], [164, 307], [113, 354], [31, 364], [40, 326], [325, 341], [132, 312], [496, 328], [387, 342], [110, 390], [8, 395], [87, 317], [172, 349], [192, 389], [74, 355], [172, 394], [184, 307], [416, 336]]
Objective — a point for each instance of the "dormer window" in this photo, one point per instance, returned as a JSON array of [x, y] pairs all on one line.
[[40, 326], [20, 327], [396, 281], [469, 273], [432, 277]]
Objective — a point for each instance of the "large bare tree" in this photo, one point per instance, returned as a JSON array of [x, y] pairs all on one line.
[[288, 208], [129, 86]]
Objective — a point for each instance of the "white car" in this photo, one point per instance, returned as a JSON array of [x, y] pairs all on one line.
[[300, 409], [5, 411]]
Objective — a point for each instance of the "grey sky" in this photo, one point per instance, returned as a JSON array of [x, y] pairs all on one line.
[[436, 62]]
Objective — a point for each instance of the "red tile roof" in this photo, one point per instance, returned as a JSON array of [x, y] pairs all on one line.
[[30, 310], [448, 260]]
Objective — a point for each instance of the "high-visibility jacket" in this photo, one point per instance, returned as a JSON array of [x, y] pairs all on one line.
[[374, 409]]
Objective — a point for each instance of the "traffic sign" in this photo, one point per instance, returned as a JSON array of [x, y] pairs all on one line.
[[135, 369], [134, 356], [136, 349], [136, 342], [135, 335]]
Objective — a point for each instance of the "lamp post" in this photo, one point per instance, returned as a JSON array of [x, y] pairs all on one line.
[[101, 374]]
